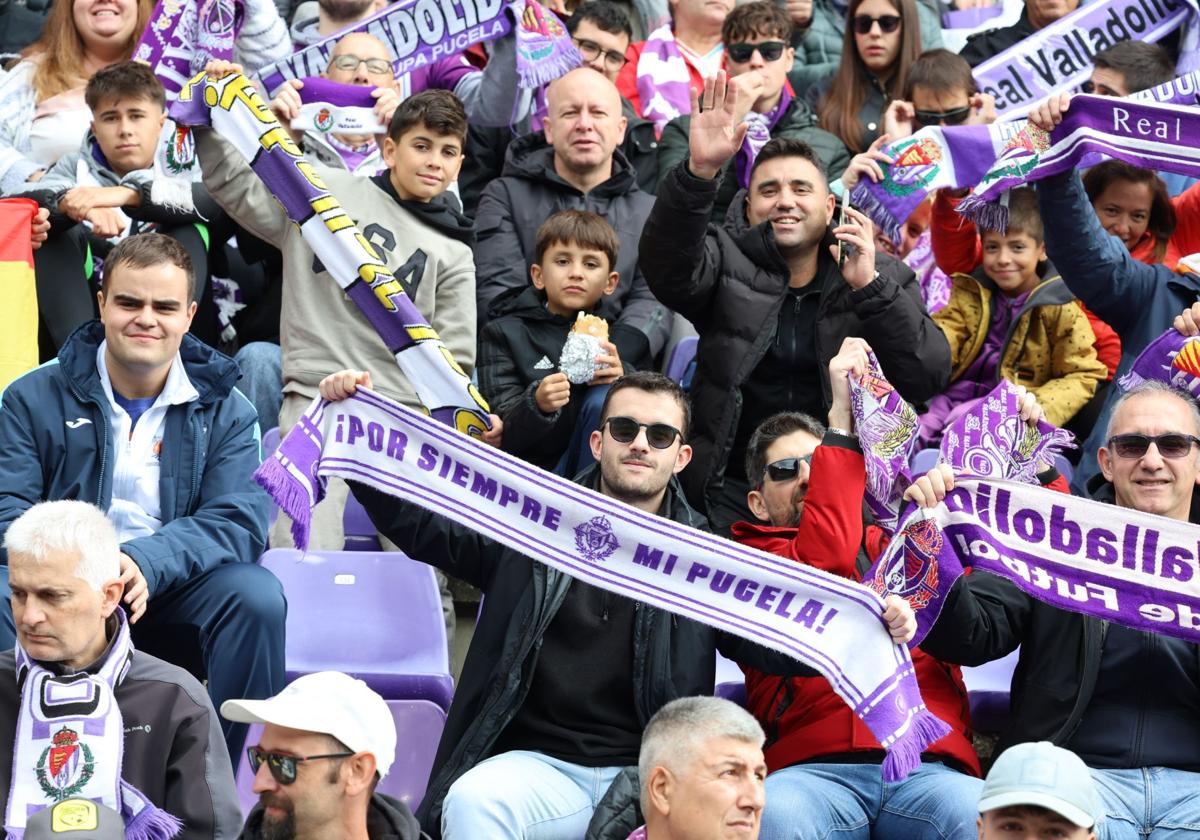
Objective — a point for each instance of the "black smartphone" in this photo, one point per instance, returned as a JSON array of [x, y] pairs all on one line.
[[845, 249]]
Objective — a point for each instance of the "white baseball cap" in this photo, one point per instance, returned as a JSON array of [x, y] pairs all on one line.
[[1045, 775], [331, 703]]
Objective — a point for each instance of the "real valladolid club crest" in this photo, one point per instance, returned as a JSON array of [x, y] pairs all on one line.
[[324, 120], [914, 574], [181, 151], [595, 539], [65, 766], [917, 163]]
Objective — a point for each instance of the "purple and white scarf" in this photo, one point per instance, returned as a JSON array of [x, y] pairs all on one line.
[[887, 431], [334, 108], [1058, 58], [664, 84], [420, 32], [183, 35], [821, 619], [935, 285], [1006, 154], [233, 106], [1171, 358], [70, 742], [758, 132]]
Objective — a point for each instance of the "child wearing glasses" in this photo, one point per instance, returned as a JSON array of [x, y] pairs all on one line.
[[547, 419], [1013, 318], [757, 54]]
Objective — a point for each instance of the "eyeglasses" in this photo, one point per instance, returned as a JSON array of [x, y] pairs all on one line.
[[741, 53], [1172, 445], [590, 51], [626, 430], [283, 767], [786, 469], [955, 116], [375, 66], [887, 23]]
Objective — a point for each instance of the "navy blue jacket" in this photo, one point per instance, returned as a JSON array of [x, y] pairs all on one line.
[[1137, 300], [56, 440]]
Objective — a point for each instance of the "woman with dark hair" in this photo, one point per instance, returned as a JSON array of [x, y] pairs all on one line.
[[1134, 206], [42, 112], [882, 40]]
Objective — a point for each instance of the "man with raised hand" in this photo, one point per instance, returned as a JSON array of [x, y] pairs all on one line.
[[769, 296], [1125, 701]]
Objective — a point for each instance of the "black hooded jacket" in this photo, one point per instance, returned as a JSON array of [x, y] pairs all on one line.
[[387, 819], [731, 283]]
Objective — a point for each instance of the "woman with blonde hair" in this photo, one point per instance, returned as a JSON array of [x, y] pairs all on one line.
[[882, 40], [42, 112]]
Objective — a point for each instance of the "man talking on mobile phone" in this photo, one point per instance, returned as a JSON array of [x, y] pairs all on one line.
[[767, 297]]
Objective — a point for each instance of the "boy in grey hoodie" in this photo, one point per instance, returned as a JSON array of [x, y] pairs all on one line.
[[101, 194]]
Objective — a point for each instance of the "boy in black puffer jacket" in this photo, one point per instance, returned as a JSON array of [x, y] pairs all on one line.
[[546, 417]]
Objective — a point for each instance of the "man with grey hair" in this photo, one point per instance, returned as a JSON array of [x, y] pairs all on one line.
[[82, 712], [702, 771], [1125, 701]]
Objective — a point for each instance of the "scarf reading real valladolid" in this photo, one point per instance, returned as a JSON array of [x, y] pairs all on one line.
[[1110, 562]]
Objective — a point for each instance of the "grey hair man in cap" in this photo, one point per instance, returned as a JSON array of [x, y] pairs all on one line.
[[1037, 791], [327, 741]]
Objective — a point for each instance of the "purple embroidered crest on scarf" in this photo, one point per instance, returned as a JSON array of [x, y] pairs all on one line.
[[181, 37], [887, 432], [1171, 358]]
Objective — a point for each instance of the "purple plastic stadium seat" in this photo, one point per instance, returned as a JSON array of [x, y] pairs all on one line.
[[375, 615], [988, 688], [360, 533], [419, 725], [924, 461], [731, 682], [681, 357], [270, 442]]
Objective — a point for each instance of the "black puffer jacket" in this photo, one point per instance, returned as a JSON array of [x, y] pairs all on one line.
[[985, 617], [515, 206], [673, 656], [518, 348], [731, 281]]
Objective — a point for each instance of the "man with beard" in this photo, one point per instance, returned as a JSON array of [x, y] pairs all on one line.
[[326, 743], [562, 677], [767, 296]]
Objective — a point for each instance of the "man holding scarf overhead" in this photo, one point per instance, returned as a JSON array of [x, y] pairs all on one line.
[[1125, 701], [82, 712]]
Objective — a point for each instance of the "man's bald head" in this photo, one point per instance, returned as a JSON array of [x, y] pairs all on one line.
[[583, 123], [374, 67]]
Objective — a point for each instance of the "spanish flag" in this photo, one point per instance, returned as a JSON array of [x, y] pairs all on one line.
[[18, 294]]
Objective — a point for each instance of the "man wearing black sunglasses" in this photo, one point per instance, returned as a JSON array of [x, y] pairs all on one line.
[[824, 765], [1125, 701], [769, 296], [327, 741], [561, 677]]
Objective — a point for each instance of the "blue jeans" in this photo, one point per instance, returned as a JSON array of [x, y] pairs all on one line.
[[1148, 802], [227, 623], [524, 796], [261, 363], [578, 456], [843, 801]]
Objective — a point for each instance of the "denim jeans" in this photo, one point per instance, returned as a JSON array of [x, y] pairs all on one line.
[[844, 801], [524, 796], [262, 380], [1148, 802], [578, 456]]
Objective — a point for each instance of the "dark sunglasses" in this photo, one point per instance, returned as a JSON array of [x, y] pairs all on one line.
[[741, 53], [283, 767], [626, 429], [786, 469], [887, 23], [590, 50], [1173, 445], [954, 116]]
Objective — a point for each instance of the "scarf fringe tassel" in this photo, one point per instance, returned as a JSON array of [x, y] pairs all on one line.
[[861, 198], [289, 495], [989, 215], [153, 824], [904, 755]]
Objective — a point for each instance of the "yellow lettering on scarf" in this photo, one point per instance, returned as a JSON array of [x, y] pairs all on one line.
[[467, 422], [306, 169], [382, 283], [336, 223], [450, 361], [278, 136], [366, 246], [240, 88], [419, 333]]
